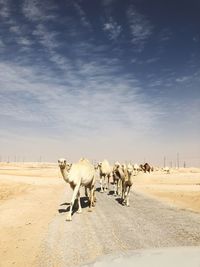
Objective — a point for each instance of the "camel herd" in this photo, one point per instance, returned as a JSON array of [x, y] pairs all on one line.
[[83, 173]]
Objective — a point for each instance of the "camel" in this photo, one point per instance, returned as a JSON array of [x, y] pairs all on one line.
[[118, 174], [127, 183], [146, 168], [136, 168], [77, 175], [105, 172], [166, 170]]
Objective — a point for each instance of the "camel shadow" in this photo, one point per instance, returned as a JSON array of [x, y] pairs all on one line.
[[111, 192], [66, 203], [119, 200], [84, 204], [98, 189]]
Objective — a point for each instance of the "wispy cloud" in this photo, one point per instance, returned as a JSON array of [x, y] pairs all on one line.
[[140, 27], [66, 75], [112, 28], [165, 35], [107, 2], [117, 105], [2, 45], [182, 79], [35, 10], [45, 37], [4, 8], [84, 20]]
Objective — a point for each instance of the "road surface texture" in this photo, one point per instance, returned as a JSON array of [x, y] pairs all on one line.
[[113, 228]]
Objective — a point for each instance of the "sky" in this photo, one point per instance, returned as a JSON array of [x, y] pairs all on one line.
[[99, 79]]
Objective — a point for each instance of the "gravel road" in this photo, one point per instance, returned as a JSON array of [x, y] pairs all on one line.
[[147, 223]]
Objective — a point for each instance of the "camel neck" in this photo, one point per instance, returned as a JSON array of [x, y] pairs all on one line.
[[130, 177], [65, 174]]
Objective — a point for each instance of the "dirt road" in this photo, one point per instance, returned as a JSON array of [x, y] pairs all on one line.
[[148, 223], [34, 231]]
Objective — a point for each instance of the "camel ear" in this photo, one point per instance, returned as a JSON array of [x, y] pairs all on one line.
[[58, 161], [65, 161]]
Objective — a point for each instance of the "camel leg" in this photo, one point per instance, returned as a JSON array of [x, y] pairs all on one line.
[[86, 193], [123, 192], [105, 183], [79, 203], [115, 187], [108, 182], [91, 202], [76, 190], [95, 199], [118, 186], [127, 196], [101, 183]]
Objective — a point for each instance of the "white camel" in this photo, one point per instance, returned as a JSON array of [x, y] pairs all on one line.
[[77, 175], [118, 175], [105, 172], [127, 183], [166, 170], [136, 168]]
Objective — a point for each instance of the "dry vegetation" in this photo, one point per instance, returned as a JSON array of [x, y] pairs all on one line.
[[30, 195]]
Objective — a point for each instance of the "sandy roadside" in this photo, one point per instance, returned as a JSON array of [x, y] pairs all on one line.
[[177, 189], [26, 209]]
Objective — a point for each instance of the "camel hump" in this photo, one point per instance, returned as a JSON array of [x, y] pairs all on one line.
[[106, 166], [84, 160], [135, 166]]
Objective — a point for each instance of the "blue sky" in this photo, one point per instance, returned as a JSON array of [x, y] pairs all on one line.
[[100, 78]]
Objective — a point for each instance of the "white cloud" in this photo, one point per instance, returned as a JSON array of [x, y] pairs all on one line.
[[165, 35], [32, 10], [183, 79], [4, 8], [24, 41], [2, 45], [107, 2], [196, 38], [140, 27], [112, 28], [45, 37], [37, 11], [82, 15], [84, 100], [101, 102]]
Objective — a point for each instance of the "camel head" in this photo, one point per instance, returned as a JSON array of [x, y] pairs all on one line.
[[63, 164], [99, 165], [117, 165], [96, 166], [135, 166], [123, 166], [130, 169]]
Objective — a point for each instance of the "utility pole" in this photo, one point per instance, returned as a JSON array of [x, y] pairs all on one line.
[[164, 162], [177, 160]]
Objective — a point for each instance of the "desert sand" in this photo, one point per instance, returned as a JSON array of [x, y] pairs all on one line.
[[30, 194]]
